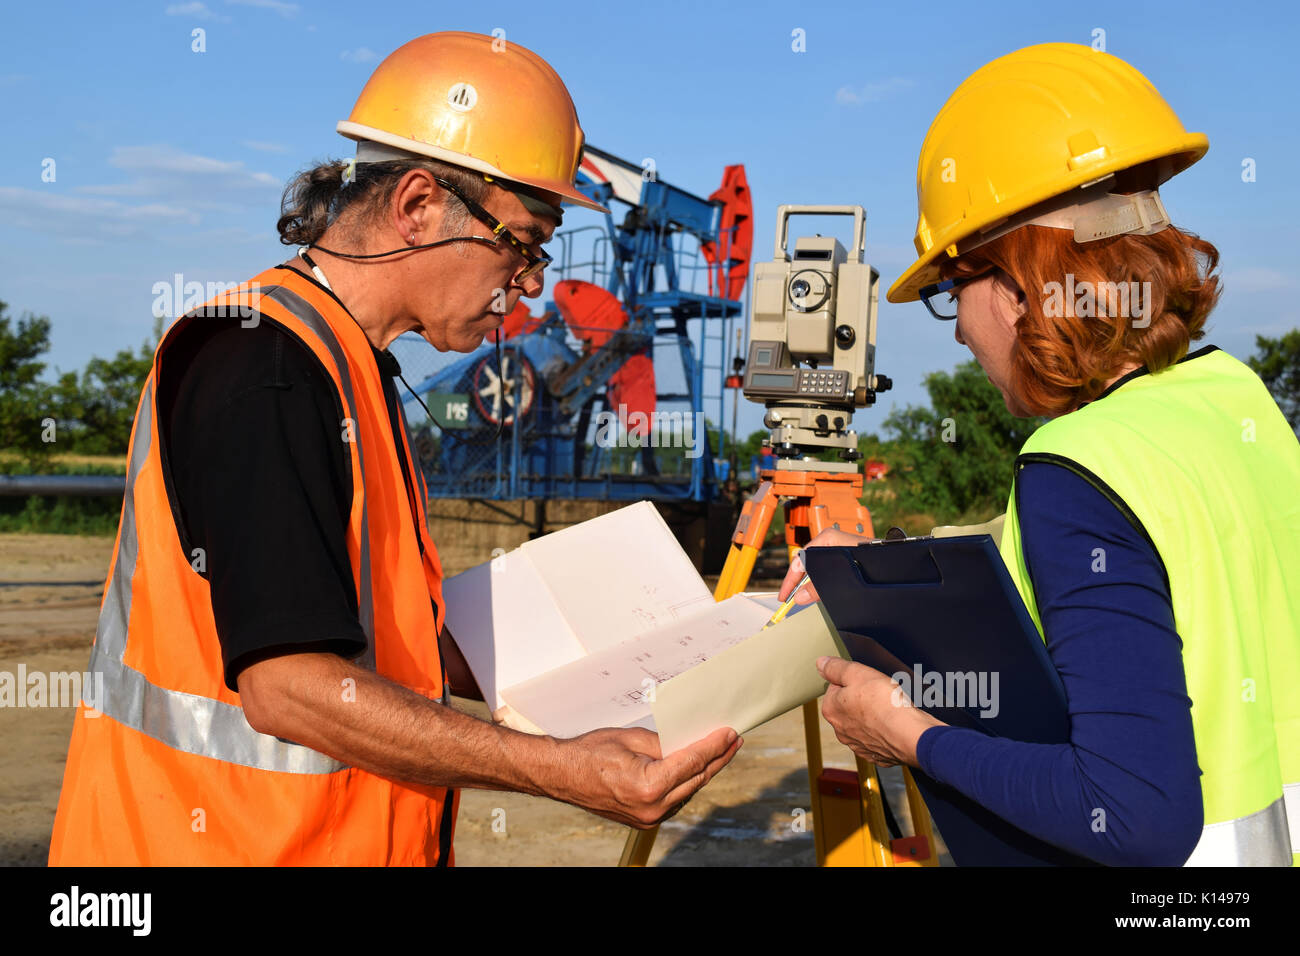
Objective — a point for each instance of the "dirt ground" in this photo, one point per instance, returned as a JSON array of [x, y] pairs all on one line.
[[50, 587]]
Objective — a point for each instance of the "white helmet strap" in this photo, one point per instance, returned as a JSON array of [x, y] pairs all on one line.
[[1114, 214], [372, 152], [1095, 214]]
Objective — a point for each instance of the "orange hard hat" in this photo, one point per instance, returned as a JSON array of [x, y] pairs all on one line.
[[478, 102]]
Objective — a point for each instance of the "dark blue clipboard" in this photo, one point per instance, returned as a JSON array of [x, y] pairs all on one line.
[[949, 605]]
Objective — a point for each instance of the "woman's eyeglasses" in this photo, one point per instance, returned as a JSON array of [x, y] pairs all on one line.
[[942, 308]]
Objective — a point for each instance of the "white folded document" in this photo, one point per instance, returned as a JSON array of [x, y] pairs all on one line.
[[607, 624]]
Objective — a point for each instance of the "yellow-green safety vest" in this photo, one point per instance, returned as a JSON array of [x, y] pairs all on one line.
[[1201, 461]]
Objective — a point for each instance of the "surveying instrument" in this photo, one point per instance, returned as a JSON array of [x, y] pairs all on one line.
[[811, 362]]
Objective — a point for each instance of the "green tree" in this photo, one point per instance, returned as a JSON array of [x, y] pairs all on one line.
[[956, 456], [743, 452], [1277, 363], [26, 403], [752, 445], [104, 401], [91, 412]]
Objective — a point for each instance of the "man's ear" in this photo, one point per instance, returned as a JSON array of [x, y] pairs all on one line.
[[418, 204]]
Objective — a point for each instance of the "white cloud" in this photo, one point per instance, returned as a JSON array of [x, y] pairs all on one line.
[[360, 55], [195, 9], [263, 147], [82, 218], [872, 92], [228, 236], [167, 171], [1256, 279], [284, 9], [185, 181], [168, 159]]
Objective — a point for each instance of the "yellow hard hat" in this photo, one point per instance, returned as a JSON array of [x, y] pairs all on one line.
[[479, 102], [1024, 131]]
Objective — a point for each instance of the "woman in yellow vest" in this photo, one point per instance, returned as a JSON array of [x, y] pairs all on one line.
[[272, 638], [1153, 527]]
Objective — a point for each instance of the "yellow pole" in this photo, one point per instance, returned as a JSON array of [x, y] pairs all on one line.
[[812, 741], [921, 825], [875, 832], [636, 851], [728, 571]]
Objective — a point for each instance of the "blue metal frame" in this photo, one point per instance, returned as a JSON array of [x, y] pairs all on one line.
[[644, 263]]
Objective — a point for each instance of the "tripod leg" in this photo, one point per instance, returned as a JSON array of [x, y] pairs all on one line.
[[728, 570], [875, 833], [832, 501], [813, 745], [921, 825], [751, 532], [745, 557], [636, 851]]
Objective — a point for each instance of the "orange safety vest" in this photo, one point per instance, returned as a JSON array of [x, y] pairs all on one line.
[[170, 772]]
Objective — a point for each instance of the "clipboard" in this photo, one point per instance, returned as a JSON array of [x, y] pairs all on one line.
[[947, 606]]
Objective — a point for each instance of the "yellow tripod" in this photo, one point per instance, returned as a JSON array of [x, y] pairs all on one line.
[[849, 826]]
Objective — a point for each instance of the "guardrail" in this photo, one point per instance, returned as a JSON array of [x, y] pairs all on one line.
[[82, 485]]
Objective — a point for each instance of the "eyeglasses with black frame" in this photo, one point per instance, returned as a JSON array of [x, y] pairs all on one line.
[[534, 264], [940, 308]]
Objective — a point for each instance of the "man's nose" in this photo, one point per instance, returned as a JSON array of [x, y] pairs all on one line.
[[533, 285], [956, 333]]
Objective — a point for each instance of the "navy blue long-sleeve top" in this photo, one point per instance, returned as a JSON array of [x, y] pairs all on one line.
[[1126, 789]]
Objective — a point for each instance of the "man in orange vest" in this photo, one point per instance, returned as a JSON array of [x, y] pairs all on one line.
[[275, 664]]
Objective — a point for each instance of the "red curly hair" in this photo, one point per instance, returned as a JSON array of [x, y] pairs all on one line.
[[1062, 360]]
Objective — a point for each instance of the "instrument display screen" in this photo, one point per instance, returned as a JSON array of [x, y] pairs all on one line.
[[771, 379]]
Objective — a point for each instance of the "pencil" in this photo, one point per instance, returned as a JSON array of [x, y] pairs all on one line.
[[784, 609]]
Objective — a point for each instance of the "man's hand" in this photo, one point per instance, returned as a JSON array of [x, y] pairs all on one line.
[[620, 775], [831, 537], [870, 713], [321, 701]]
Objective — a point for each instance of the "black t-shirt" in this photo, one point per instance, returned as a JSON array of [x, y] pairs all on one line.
[[261, 486]]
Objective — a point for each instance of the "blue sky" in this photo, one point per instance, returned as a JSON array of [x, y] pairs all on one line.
[[168, 160]]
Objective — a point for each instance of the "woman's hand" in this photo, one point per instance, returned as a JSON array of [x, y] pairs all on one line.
[[831, 537], [870, 713]]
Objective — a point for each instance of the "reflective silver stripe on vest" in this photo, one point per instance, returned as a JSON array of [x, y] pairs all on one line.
[[110, 632], [188, 722], [1258, 839], [198, 725], [309, 317], [1291, 794]]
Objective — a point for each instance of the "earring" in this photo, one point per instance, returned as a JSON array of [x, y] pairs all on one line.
[[411, 241]]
